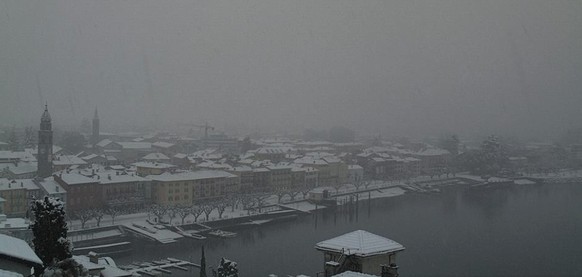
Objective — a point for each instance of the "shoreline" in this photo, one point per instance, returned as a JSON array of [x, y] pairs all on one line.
[[290, 210]]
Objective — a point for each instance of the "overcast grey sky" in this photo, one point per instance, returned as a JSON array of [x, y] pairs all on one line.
[[398, 67]]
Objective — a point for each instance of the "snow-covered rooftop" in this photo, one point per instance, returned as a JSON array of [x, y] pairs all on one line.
[[51, 186], [74, 178], [68, 160], [360, 243], [27, 184], [155, 156], [153, 165], [190, 175], [104, 143], [111, 177], [20, 168], [180, 156], [135, 145], [162, 144], [6, 273], [310, 161], [353, 274], [17, 248]]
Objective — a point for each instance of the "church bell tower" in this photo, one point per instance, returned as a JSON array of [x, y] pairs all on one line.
[[45, 145], [95, 134]]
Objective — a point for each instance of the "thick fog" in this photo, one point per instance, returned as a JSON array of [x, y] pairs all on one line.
[[393, 67]]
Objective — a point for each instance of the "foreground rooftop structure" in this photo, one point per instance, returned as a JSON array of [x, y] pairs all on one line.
[[362, 252]]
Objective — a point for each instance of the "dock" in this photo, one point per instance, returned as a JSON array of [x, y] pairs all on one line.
[[159, 268], [152, 232]]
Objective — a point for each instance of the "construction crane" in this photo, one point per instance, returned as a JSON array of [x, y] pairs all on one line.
[[206, 127]]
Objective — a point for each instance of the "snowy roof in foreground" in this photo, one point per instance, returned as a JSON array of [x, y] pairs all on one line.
[[17, 248], [360, 243], [5, 273], [353, 274]]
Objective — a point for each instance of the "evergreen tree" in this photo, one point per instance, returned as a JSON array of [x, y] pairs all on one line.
[[50, 231], [203, 264], [227, 268]]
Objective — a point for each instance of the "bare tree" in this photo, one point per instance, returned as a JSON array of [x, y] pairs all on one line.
[[98, 215], [220, 207], [367, 184], [358, 185], [293, 194], [112, 212], [84, 216], [337, 186], [248, 202], [233, 199], [305, 191], [261, 200], [196, 211], [183, 212], [207, 208], [280, 192], [159, 211], [172, 212]]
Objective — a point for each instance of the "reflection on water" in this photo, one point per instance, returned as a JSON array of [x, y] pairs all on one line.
[[519, 230]]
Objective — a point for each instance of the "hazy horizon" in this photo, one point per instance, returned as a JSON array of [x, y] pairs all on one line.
[[411, 68]]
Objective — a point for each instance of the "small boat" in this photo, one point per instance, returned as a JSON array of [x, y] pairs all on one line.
[[222, 234]]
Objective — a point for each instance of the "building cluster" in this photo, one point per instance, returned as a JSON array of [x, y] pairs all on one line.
[[135, 170]]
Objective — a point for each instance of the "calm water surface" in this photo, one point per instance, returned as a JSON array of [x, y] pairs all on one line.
[[518, 231]]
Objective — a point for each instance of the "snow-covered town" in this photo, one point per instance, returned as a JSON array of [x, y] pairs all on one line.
[[163, 188], [329, 138]]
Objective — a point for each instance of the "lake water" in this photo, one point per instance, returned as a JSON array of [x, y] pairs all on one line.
[[518, 231]]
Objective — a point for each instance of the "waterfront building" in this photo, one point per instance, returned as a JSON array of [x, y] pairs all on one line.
[[187, 187], [281, 177], [360, 251], [355, 173], [82, 192]]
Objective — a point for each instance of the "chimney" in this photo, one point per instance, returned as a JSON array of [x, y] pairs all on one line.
[[389, 270], [93, 257]]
